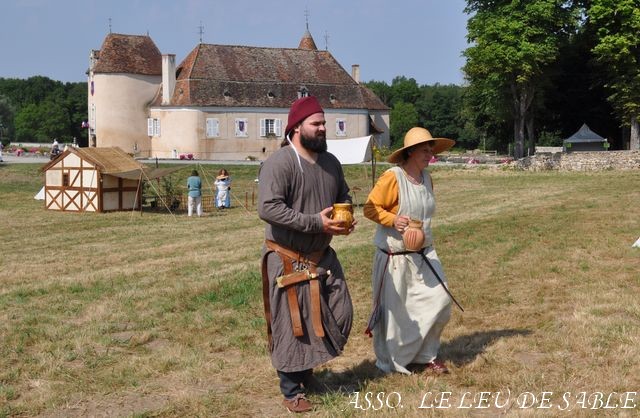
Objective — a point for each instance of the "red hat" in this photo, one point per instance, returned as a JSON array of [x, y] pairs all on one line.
[[300, 110]]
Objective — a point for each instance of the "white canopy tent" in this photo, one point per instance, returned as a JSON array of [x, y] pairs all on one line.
[[352, 150]]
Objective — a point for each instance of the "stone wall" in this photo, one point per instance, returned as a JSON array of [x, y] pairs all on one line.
[[581, 161]]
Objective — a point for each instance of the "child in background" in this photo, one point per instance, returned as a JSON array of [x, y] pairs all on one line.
[[223, 184]]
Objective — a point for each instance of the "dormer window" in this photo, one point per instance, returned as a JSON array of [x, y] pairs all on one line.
[[227, 94], [271, 95], [332, 98]]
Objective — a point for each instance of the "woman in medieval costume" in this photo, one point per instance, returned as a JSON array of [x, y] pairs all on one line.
[[410, 306], [223, 186]]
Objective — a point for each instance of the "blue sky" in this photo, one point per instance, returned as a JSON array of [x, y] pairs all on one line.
[[420, 39]]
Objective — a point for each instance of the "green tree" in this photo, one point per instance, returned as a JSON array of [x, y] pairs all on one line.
[[618, 47], [45, 108], [440, 109], [404, 90], [486, 113], [382, 90], [403, 116], [514, 41], [575, 93], [6, 120], [41, 122], [75, 104]]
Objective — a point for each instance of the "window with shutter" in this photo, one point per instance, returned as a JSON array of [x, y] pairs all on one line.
[[341, 127], [263, 127], [153, 127], [278, 128], [213, 128], [270, 127], [242, 128]]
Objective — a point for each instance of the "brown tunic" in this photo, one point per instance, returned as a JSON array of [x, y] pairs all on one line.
[[290, 202]]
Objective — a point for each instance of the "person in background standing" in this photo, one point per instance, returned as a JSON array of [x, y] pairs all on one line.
[[55, 148], [223, 186], [194, 185]]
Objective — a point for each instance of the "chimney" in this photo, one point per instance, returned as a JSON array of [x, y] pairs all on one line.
[[355, 72], [168, 77]]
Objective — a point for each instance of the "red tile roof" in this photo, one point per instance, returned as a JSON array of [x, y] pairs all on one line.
[[131, 54], [239, 76], [307, 41]]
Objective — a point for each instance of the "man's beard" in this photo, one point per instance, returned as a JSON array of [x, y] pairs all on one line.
[[314, 144]]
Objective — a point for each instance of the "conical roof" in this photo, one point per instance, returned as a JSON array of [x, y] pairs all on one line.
[[132, 54], [585, 134], [307, 42]]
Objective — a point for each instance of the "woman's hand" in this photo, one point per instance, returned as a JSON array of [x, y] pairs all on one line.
[[401, 222]]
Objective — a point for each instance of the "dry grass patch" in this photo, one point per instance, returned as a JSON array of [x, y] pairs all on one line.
[[127, 315]]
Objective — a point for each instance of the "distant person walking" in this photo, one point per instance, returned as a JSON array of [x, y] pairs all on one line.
[[1, 148], [194, 184]]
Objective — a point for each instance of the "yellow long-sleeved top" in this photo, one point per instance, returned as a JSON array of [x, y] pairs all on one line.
[[383, 201]]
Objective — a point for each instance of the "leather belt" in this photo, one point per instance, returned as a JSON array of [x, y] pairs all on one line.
[[289, 280]]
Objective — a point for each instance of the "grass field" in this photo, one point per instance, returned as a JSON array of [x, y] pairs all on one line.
[[123, 314]]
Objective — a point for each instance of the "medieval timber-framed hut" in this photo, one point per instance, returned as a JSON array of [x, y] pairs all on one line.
[[92, 180]]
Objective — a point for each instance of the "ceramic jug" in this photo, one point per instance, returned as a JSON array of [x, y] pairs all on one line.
[[413, 236]]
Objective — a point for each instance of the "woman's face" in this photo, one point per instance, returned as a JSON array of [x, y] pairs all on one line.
[[421, 154]]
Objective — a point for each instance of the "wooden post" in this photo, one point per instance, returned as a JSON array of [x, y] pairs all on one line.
[[373, 164], [246, 199]]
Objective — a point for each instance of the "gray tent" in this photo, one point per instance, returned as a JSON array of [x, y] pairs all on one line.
[[585, 140]]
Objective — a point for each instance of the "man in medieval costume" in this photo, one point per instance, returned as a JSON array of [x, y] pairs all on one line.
[[307, 304]]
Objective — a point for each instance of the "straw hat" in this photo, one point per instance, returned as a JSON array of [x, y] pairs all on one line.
[[417, 136]]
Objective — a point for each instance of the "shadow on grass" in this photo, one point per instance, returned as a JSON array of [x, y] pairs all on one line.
[[351, 380], [460, 351], [464, 349]]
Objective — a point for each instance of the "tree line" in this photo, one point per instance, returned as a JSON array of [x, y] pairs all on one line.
[[535, 71], [39, 109]]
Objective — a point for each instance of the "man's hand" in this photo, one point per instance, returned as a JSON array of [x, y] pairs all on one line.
[[333, 227]]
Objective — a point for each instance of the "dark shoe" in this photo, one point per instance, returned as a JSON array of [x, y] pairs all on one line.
[[437, 367], [298, 404]]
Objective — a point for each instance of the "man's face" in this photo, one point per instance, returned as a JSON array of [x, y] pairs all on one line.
[[313, 134]]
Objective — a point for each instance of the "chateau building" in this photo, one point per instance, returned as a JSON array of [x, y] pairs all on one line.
[[221, 102]]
